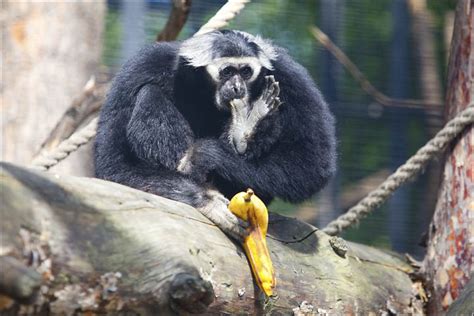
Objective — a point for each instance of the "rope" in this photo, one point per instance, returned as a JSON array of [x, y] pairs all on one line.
[[222, 17], [48, 159], [404, 173]]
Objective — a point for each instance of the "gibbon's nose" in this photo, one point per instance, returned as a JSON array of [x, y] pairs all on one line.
[[238, 88]]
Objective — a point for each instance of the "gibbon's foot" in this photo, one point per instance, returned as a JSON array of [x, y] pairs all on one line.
[[217, 195], [217, 212]]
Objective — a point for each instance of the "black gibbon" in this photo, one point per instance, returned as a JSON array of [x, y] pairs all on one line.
[[200, 120]]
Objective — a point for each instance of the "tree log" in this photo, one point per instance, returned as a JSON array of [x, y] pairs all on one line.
[[448, 264], [103, 247]]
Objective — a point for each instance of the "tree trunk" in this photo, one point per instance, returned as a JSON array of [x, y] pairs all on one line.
[[97, 246], [448, 263], [50, 50]]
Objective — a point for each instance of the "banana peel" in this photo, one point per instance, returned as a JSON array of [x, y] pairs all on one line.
[[248, 207]]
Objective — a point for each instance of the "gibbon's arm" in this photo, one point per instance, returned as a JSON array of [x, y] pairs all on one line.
[[157, 132], [254, 128], [296, 164], [292, 171]]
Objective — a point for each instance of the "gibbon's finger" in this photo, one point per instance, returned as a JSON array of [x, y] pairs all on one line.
[[270, 91], [269, 77], [265, 88], [277, 88], [235, 224], [276, 103], [269, 80], [274, 92], [278, 100], [270, 96]]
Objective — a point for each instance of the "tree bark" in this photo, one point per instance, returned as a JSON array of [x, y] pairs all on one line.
[[103, 247], [50, 50], [448, 263]]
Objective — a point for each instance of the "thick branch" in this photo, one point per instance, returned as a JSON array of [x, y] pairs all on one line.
[[176, 20], [113, 248]]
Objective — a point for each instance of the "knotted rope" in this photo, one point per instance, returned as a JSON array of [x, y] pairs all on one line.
[[404, 173]]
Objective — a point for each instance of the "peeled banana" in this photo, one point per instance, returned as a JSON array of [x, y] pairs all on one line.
[[248, 207]]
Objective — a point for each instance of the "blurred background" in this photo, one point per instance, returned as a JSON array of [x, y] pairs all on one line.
[[50, 51]]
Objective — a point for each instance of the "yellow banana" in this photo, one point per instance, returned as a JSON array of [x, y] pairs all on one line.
[[248, 207]]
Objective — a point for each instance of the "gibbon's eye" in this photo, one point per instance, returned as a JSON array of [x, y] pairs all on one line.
[[228, 71], [246, 72]]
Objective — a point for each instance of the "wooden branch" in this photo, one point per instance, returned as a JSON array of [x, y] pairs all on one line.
[[102, 247], [176, 20], [82, 108], [362, 79]]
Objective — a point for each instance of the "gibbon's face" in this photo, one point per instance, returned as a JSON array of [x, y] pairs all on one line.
[[233, 78], [235, 61]]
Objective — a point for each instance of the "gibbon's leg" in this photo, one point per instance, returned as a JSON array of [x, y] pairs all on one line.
[[177, 187]]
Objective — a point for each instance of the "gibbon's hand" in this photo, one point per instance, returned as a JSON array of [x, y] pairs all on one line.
[[202, 158], [246, 117], [269, 100]]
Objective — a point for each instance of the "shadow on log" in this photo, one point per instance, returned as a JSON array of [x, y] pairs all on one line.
[[103, 247]]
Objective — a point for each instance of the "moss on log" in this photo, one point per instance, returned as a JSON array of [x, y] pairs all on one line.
[[104, 247]]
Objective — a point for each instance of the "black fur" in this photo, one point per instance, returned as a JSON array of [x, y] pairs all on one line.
[[158, 107]]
